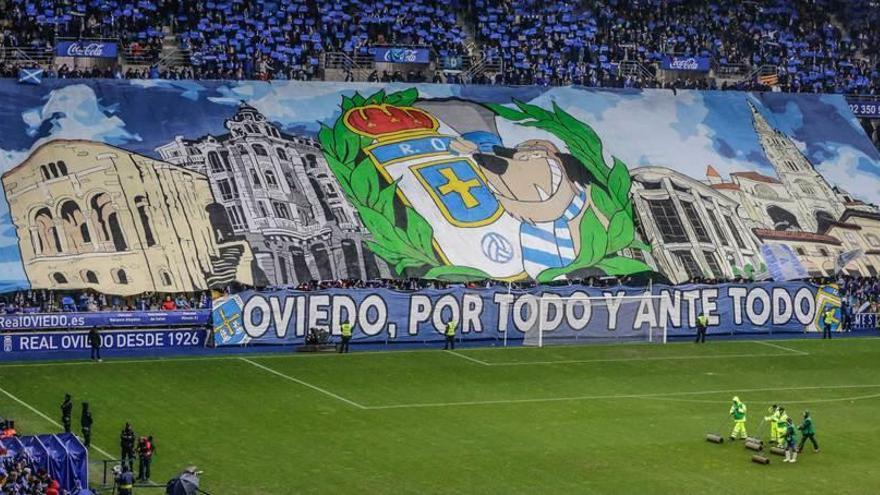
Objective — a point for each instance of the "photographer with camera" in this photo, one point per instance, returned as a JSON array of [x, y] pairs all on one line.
[[124, 480]]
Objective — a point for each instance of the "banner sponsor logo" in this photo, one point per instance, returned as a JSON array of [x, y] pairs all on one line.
[[40, 321], [385, 315], [402, 55], [80, 49], [118, 339], [674, 62]]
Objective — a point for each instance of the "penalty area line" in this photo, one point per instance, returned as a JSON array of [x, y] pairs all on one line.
[[473, 360], [777, 346], [305, 384], [50, 420], [615, 397], [648, 358]]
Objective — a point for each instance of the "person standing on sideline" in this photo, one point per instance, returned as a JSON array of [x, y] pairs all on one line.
[[66, 411], [808, 431], [95, 344], [126, 445], [345, 328], [450, 335], [125, 481], [85, 422], [702, 324], [827, 320], [738, 413], [790, 442], [772, 420], [145, 456]]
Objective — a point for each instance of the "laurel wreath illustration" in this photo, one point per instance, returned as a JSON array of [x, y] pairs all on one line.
[[404, 239]]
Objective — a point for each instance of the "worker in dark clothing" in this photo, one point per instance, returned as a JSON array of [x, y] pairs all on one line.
[[66, 411], [808, 431], [126, 445], [85, 422], [95, 344], [145, 457], [125, 481]]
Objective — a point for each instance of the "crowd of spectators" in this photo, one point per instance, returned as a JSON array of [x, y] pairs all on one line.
[[39, 23], [47, 301], [817, 45], [265, 39], [18, 476]]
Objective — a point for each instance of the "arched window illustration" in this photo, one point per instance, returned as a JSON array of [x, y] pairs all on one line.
[[166, 278], [271, 180], [214, 162], [89, 277], [59, 278], [62, 167], [370, 264], [259, 150], [53, 169], [322, 261], [823, 220], [44, 171], [143, 208], [281, 153], [107, 220], [782, 219], [75, 226], [48, 241], [352, 260], [120, 277]]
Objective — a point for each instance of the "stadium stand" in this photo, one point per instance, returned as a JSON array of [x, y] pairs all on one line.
[[797, 46]]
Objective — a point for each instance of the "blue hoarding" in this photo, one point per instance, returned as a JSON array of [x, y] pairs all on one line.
[[93, 49], [381, 315], [677, 62], [46, 321], [22, 342], [402, 55]]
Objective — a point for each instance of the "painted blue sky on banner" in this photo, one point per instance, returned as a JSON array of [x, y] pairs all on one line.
[[686, 132]]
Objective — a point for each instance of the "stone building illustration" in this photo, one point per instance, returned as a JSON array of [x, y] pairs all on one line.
[[90, 215], [706, 229], [279, 194]]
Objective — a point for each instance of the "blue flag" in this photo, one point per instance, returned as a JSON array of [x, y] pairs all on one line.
[[30, 76]]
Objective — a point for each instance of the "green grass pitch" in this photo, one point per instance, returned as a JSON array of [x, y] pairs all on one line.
[[577, 419]]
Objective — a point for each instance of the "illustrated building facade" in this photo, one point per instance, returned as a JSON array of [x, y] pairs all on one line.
[[89, 215], [694, 230], [280, 195]]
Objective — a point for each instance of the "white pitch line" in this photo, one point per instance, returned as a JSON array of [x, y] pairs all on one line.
[[50, 420], [305, 384], [613, 397], [811, 401], [646, 358], [473, 360], [770, 344]]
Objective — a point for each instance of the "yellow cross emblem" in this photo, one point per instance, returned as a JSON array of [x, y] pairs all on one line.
[[226, 327], [463, 188]]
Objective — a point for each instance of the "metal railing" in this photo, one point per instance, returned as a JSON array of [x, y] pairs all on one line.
[[27, 55], [634, 68], [359, 64]]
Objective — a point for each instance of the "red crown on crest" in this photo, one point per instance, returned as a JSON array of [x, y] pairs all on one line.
[[383, 120]]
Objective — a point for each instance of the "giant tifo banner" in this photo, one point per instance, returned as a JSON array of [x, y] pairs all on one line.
[[177, 186], [387, 316]]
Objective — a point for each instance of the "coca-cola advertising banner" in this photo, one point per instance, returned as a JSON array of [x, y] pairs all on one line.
[[678, 62], [94, 49]]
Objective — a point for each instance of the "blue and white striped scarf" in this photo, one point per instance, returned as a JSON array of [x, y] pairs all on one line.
[[550, 244]]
